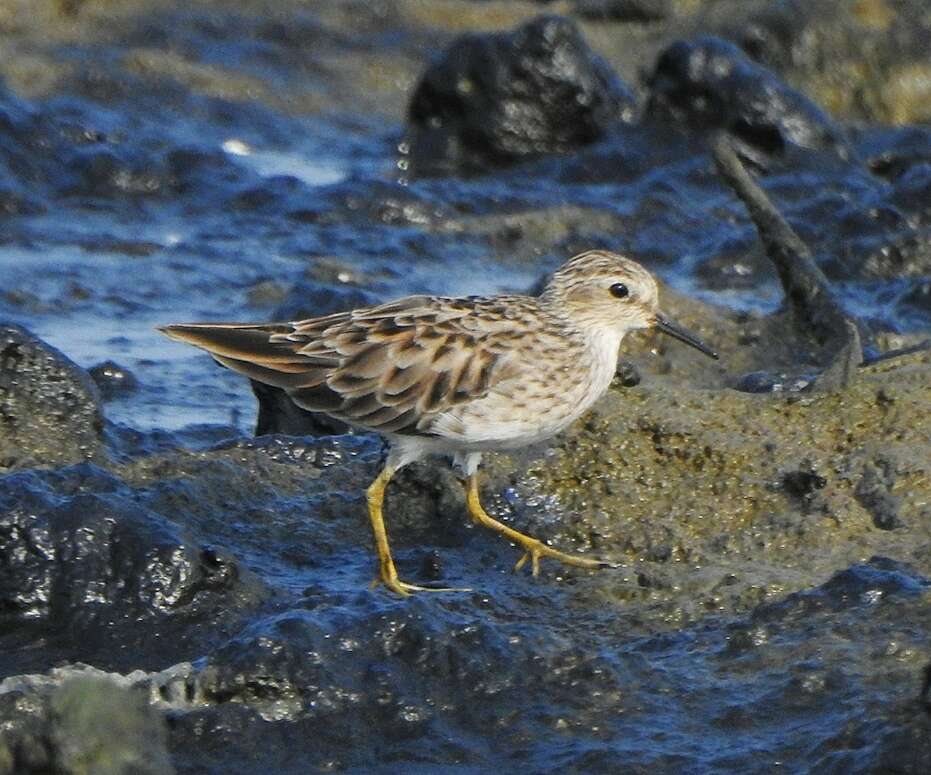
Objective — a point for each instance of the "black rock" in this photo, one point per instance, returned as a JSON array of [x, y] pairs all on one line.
[[49, 406], [111, 171], [710, 84], [279, 414], [851, 588], [494, 99], [366, 202], [874, 492], [326, 671], [86, 569], [919, 297], [24, 154], [624, 10], [771, 382], [628, 374], [758, 382], [113, 380], [803, 482], [892, 151]]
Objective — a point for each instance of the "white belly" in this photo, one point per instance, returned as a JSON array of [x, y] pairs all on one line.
[[523, 411]]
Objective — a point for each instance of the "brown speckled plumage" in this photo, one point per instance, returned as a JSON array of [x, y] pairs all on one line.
[[453, 375]]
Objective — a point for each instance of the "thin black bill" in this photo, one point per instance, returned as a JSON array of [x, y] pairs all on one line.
[[668, 327]]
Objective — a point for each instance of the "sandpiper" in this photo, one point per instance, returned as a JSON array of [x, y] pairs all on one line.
[[455, 376]]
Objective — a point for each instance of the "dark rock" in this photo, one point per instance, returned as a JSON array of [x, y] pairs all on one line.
[[919, 297], [711, 84], [109, 171], [874, 492], [89, 570], [494, 99], [771, 36], [113, 380], [891, 151], [366, 201], [279, 414], [628, 374], [768, 382], [803, 482], [328, 674], [310, 677], [852, 588], [49, 407], [624, 10]]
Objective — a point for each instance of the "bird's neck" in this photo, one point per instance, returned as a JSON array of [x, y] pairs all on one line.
[[604, 343]]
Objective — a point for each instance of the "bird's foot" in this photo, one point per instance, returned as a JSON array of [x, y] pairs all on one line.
[[392, 582], [534, 549]]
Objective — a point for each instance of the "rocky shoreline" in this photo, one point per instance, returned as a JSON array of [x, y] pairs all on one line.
[[192, 598]]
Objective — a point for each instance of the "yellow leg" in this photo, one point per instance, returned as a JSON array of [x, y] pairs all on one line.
[[534, 549], [388, 574]]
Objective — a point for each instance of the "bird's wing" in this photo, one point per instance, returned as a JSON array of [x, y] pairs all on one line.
[[389, 368]]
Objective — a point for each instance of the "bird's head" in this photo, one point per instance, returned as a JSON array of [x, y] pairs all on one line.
[[600, 290]]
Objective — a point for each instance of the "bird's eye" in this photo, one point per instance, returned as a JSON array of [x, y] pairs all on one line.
[[620, 290]]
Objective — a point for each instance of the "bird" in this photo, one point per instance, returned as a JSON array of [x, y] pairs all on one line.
[[455, 376]]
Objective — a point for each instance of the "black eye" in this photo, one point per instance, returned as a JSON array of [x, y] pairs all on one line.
[[620, 290]]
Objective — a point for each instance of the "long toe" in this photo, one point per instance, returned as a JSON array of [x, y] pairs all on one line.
[[606, 565], [404, 589], [536, 549]]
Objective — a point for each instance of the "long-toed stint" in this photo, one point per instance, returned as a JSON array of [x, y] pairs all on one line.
[[455, 376]]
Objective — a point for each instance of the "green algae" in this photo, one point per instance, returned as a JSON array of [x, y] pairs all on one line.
[[695, 490]]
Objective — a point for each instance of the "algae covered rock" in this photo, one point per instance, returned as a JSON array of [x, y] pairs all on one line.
[[724, 498], [49, 406], [82, 725], [710, 83], [865, 59]]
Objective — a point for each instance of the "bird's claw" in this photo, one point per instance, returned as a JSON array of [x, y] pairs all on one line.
[[534, 557], [535, 549], [406, 590]]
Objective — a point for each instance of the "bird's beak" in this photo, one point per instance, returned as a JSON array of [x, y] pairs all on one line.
[[668, 327]]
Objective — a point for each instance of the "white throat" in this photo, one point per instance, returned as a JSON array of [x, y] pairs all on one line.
[[605, 344]]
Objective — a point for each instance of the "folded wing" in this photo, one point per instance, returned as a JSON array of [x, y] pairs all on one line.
[[390, 368]]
